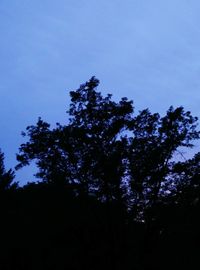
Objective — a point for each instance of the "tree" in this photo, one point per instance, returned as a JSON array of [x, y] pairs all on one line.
[[101, 149], [187, 180], [152, 146], [107, 152], [6, 177], [88, 152]]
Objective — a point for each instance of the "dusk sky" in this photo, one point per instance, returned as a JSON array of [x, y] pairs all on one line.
[[148, 51]]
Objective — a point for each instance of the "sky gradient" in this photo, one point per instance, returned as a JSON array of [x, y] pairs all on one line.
[[145, 50]]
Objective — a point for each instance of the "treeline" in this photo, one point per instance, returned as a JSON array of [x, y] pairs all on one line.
[[114, 190]]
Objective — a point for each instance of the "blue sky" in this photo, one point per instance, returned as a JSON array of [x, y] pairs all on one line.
[[145, 50]]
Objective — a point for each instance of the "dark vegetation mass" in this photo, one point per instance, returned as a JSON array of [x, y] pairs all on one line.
[[114, 190]]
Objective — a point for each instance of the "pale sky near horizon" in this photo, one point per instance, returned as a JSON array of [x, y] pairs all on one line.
[[145, 50]]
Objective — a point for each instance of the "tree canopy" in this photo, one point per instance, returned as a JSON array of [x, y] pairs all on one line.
[[113, 192], [109, 152]]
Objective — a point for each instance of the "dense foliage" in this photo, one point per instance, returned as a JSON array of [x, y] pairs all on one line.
[[113, 190]]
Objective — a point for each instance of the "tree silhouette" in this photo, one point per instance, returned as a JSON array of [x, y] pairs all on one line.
[[89, 151], [6, 177], [152, 146], [113, 193], [108, 152], [101, 150], [187, 178]]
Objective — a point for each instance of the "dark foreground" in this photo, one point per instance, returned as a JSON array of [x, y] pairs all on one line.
[[48, 228]]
